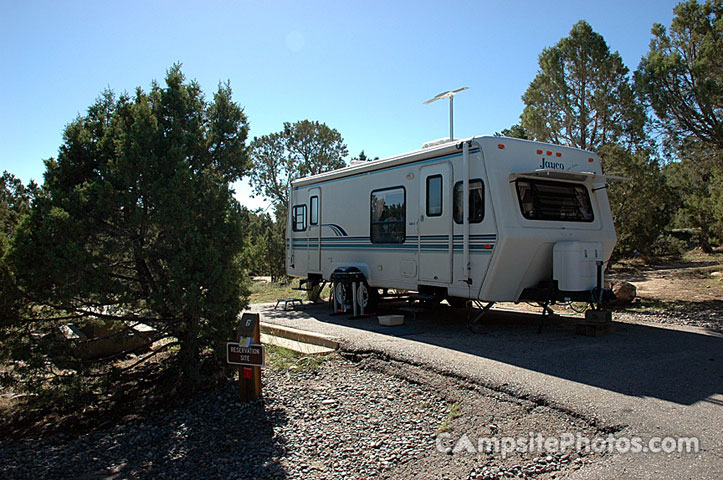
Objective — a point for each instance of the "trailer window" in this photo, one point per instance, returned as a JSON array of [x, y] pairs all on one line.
[[434, 196], [299, 218], [476, 201], [388, 215], [548, 200], [314, 210]]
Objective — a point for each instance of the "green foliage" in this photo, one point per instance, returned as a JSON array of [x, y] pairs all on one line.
[[582, 96], [642, 206], [362, 157], [682, 74], [515, 131], [15, 200], [265, 251], [137, 222], [300, 149], [276, 246], [698, 179], [681, 78]]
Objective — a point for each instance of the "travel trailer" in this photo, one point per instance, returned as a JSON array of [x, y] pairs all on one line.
[[486, 218]]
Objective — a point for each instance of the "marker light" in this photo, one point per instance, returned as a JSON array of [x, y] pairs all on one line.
[[590, 160], [558, 154], [487, 246], [539, 152], [549, 153], [500, 146]]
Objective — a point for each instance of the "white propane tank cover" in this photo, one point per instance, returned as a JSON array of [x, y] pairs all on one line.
[[574, 265]]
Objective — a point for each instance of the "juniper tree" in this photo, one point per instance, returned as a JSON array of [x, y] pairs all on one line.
[[137, 221]]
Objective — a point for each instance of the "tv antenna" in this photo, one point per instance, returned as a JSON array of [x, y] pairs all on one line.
[[450, 94]]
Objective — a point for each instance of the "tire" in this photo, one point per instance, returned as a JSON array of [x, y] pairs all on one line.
[[342, 294], [367, 297]]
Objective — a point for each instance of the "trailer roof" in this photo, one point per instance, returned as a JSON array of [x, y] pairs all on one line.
[[454, 146], [409, 157]]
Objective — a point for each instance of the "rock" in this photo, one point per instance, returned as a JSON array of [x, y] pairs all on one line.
[[624, 293]]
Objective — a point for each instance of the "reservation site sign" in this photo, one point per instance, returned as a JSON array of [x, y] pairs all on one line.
[[251, 355]]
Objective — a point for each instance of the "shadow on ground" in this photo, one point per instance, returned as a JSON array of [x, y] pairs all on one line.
[[211, 437], [637, 360]]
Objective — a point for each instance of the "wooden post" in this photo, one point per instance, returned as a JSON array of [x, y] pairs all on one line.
[[250, 377]]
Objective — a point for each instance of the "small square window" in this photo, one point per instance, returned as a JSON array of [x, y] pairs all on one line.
[[476, 201], [299, 218]]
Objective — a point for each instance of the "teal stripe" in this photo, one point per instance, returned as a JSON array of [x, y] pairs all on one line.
[[397, 248]]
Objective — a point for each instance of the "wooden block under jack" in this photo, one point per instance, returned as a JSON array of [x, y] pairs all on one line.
[[597, 323], [598, 316], [594, 329]]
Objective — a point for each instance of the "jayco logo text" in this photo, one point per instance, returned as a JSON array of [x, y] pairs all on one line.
[[553, 165]]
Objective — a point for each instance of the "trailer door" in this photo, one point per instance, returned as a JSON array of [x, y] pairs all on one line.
[[314, 232], [435, 224]]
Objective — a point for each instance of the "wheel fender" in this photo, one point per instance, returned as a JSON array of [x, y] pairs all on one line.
[[362, 268]]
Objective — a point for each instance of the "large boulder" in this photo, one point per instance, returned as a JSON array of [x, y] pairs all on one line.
[[623, 293]]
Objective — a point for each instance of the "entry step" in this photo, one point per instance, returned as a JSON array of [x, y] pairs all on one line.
[[289, 301]]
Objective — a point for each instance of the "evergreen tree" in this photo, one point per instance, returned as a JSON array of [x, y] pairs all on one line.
[[137, 222], [682, 74], [299, 150], [582, 97]]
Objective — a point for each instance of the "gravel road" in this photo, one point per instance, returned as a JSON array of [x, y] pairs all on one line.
[[357, 416], [648, 378]]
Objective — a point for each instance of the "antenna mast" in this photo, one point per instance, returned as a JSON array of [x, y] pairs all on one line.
[[450, 94]]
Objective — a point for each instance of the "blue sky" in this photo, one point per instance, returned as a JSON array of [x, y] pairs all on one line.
[[364, 67]]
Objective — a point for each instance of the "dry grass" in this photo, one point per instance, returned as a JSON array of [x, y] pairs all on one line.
[[265, 292]]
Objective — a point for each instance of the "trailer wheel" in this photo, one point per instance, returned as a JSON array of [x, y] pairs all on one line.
[[367, 297], [342, 294]]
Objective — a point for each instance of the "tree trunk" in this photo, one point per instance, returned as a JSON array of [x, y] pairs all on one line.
[[705, 245], [188, 355]]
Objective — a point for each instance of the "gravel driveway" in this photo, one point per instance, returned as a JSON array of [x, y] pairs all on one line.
[[357, 416]]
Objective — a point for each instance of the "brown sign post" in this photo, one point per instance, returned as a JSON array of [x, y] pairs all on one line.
[[248, 354]]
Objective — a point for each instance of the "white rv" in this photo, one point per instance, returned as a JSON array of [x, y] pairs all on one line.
[[537, 225]]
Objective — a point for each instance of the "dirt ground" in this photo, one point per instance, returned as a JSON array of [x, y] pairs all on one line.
[[688, 291], [695, 278]]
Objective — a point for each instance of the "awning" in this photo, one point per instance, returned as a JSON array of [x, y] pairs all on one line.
[[595, 178]]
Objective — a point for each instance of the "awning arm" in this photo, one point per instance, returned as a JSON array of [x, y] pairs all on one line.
[[569, 176]]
